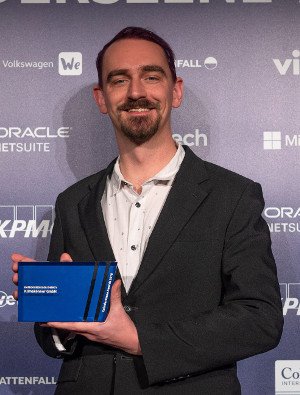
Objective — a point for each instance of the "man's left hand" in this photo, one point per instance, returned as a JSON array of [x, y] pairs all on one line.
[[117, 331]]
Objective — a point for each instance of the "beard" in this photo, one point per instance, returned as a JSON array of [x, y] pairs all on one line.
[[139, 129]]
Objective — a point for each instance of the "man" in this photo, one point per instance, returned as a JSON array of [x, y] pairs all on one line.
[[199, 289]]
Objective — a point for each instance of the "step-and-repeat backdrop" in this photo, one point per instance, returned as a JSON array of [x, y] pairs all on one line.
[[240, 61]]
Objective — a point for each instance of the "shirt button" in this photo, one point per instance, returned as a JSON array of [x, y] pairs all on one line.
[[137, 204], [127, 309], [133, 247]]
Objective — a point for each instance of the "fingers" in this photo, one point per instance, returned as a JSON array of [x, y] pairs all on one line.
[[82, 327], [15, 278], [65, 258], [15, 295], [115, 297], [15, 257]]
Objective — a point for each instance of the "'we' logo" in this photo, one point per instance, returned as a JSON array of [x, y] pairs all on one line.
[[70, 63]]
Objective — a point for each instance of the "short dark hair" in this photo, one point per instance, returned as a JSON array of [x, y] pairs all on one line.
[[133, 32]]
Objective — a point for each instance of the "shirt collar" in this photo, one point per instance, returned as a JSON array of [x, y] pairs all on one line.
[[165, 174]]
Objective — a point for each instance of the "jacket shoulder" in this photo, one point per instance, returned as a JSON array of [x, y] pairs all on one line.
[[78, 190], [225, 176]]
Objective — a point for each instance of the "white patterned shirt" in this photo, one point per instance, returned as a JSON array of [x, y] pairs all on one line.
[[130, 217]]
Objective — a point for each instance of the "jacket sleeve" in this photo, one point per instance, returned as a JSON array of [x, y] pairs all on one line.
[[44, 336], [249, 319]]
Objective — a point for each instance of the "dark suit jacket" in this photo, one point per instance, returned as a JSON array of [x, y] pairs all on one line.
[[206, 294]]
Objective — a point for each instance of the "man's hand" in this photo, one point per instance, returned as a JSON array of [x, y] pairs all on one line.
[[22, 258], [118, 330], [14, 265]]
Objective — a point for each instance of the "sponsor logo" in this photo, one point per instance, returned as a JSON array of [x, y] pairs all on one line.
[[26, 221], [209, 63], [283, 219], [290, 297], [20, 64], [190, 139], [287, 377], [28, 139], [6, 300], [70, 63], [27, 380], [136, 1], [275, 140], [272, 140], [289, 66]]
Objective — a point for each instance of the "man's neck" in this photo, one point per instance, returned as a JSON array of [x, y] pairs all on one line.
[[139, 163]]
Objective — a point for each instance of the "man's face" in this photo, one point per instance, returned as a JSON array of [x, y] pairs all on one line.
[[138, 92]]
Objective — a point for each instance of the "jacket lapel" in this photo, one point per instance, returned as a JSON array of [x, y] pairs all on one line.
[[92, 220], [187, 193]]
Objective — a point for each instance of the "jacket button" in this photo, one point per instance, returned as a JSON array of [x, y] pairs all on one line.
[[127, 309]]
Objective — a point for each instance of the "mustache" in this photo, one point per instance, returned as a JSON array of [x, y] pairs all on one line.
[[141, 103]]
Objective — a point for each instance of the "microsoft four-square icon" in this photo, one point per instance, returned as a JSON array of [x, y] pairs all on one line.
[[70, 63], [272, 140]]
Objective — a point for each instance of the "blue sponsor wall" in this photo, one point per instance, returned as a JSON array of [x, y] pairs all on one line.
[[240, 62]]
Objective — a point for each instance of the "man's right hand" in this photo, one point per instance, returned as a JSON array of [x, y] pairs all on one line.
[[16, 258]]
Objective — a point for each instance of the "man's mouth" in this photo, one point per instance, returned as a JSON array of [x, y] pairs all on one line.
[[139, 110]]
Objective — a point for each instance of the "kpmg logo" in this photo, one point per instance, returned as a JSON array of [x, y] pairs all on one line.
[[70, 63], [6, 300], [283, 219], [26, 221], [209, 63], [287, 377], [276, 140], [290, 297], [289, 66], [190, 139]]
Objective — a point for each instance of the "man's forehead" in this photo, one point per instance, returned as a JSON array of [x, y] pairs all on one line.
[[135, 53]]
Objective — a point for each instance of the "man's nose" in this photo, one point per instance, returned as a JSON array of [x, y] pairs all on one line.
[[136, 89]]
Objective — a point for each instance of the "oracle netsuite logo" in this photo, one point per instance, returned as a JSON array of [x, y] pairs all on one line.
[[26, 221], [70, 63]]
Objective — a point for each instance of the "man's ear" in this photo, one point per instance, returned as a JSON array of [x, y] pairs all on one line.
[[177, 92], [99, 99]]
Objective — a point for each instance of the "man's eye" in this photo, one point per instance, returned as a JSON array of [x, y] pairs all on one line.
[[152, 78], [119, 81]]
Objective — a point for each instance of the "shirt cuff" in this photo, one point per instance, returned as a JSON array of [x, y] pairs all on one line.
[[59, 342]]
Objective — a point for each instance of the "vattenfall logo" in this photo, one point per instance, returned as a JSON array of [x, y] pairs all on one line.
[[276, 140], [26, 221], [290, 298], [69, 64], [283, 219], [287, 377], [210, 63], [137, 1]]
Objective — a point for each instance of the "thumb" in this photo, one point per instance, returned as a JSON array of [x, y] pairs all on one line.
[[65, 258], [115, 297]]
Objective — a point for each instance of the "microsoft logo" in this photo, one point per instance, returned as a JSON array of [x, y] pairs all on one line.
[[272, 140]]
